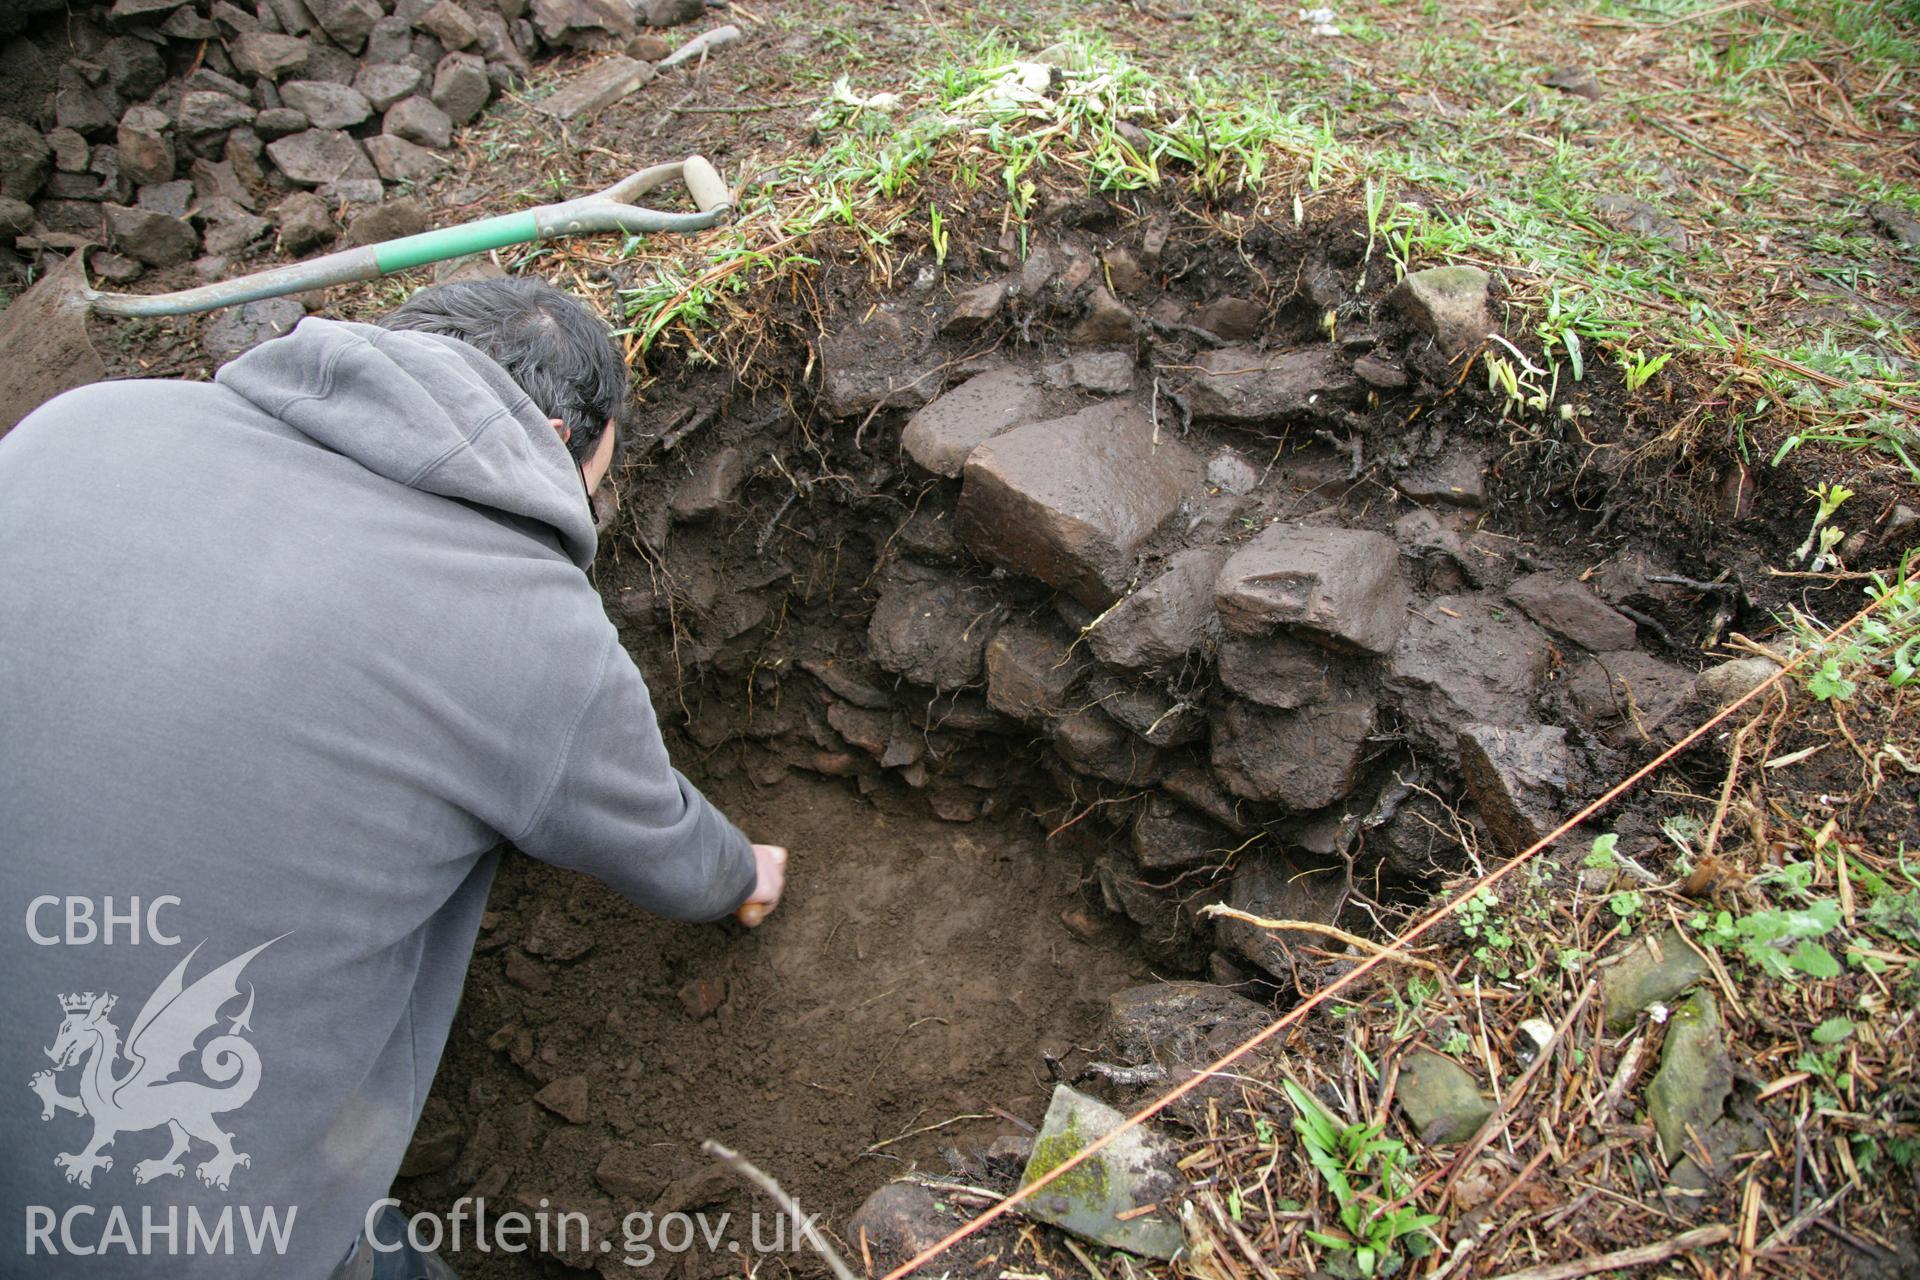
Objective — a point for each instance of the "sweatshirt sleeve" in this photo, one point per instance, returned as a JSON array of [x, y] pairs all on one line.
[[617, 809]]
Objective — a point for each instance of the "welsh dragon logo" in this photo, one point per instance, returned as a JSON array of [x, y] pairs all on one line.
[[145, 1095]]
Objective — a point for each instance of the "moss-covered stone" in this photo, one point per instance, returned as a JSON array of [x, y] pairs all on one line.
[[1135, 1170], [1440, 1098], [1690, 1091], [1086, 1181], [1656, 969]]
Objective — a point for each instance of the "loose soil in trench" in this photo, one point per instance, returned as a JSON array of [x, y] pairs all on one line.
[[917, 972]]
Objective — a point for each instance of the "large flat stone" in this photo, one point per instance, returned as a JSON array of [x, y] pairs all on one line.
[[384, 83], [1655, 968], [873, 363], [710, 484], [941, 435], [1164, 621], [1441, 1099], [582, 23], [1179, 1023], [269, 55], [25, 160], [1689, 1093], [601, 85], [1301, 759], [419, 121], [1240, 384], [1567, 607], [1148, 710], [347, 21], [315, 157], [237, 329], [146, 150], [1466, 660], [154, 238], [460, 84], [209, 111], [1072, 500], [398, 160], [1195, 786], [326, 105], [1337, 587]]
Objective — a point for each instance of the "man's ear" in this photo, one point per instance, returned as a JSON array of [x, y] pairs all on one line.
[[566, 432]]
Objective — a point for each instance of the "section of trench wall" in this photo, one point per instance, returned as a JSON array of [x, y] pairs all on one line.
[[1200, 562]]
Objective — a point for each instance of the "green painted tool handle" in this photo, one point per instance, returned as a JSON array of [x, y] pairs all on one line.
[[603, 211], [453, 242]]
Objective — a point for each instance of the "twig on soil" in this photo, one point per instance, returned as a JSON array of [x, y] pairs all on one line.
[[802, 1223], [1084, 1260], [1309, 926], [698, 419], [1674, 132], [1239, 1238], [748, 109], [1732, 589], [925, 1128], [1801, 1220], [1823, 577], [1860, 386], [956, 1188], [1011, 1118], [1125, 1077], [1726, 789], [1634, 615], [699, 47], [1620, 1260], [1172, 328], [766, 534]]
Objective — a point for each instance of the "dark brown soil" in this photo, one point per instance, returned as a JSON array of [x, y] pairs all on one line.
[[918, 971]]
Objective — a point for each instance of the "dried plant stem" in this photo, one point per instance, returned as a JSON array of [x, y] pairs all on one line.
[[746, 1169], [1621, 1260], [1309, 926]]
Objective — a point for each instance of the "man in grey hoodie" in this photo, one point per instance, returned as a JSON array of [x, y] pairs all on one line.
[[284, 659]]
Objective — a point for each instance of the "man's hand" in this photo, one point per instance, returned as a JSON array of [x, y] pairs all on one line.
[[771, 863]]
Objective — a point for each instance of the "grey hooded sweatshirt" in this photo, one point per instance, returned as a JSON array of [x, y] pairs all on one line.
[[284, 658]]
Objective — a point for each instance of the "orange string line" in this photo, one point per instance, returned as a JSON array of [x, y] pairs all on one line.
[[1378, 958]]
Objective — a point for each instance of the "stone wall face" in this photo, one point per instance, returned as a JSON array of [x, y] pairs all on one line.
[[177, 131], [1250, 664]]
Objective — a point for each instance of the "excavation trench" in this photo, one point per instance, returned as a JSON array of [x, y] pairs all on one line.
[[1035, 608]]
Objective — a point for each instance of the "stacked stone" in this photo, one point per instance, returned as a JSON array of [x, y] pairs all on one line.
[[177, 130], [1220, 664]]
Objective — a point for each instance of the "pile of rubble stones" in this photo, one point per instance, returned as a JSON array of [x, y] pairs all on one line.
[[1233, 651], [199, 131]]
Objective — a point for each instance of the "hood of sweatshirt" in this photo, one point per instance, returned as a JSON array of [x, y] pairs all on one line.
[[425, 411]]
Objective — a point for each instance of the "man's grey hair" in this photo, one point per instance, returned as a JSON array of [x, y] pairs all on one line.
[[558, 350]]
